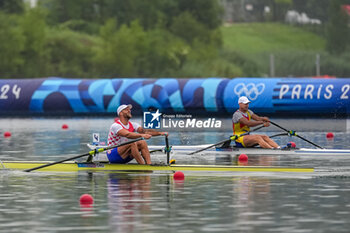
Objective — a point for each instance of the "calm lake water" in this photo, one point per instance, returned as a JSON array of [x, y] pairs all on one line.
[[154, 202]]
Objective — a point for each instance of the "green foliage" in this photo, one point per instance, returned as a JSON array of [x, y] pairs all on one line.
[[157, 38], [188, 28], [284, 2], [81, 26], [216, 68], [317, 9], [335, 65], [33, 27], [294, 63], [133, 52], [302, 64], [12, 6], [150, 13], [70, 54], [206, 12], [164, 55], [279, 8], [250, 45], [261, 37], [131, 38], [11, 46], [337, 32], [65, 10], [248, 65], [121, 49]]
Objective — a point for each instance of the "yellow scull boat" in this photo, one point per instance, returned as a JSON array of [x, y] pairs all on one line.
[[72, 166]]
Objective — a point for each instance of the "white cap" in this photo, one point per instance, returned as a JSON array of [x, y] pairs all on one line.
[[243, 100], [122, 107]]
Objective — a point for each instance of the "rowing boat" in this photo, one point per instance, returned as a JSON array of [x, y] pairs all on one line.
[[186, 149], [72, 166], [217, 149], [257, 151]]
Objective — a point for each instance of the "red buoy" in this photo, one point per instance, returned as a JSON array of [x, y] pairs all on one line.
[[243, 158], [330, 135], [86, 199], [7, 134], [179, 175], [64, 126]]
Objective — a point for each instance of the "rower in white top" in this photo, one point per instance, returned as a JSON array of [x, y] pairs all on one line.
[[122, 130]]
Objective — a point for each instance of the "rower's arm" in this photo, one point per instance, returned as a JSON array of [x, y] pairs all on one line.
[[132, 135], [151, 132], [263, 120], [256, 121], [259, 118]]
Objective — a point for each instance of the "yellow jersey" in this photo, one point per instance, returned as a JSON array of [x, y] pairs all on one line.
[[238, 127]]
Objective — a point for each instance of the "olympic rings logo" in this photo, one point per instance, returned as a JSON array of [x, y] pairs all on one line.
[[251, 90]]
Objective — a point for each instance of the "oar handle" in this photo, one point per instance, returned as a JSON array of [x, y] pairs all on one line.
[[79, 156], [167, 149]]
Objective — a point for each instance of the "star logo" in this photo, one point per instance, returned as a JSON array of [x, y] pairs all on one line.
[[151, 120], [156, 115]]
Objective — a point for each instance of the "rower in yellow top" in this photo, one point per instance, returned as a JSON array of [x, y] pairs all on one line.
[[121, 131], [243, 119]]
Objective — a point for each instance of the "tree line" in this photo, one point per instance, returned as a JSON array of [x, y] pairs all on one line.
[[110, 38], [118, 38]]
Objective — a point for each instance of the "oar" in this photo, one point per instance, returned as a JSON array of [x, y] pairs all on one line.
[[232, 138], [79, 156], [293, 133]]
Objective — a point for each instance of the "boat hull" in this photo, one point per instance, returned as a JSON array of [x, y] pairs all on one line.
[[184, 150], [73, 167], [255, 151]]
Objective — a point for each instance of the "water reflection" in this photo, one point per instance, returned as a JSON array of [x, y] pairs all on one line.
[[135, 202], [128, 200], [143, 202], [253, 160]]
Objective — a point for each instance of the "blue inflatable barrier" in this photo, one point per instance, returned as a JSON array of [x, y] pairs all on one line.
[[274, 96]]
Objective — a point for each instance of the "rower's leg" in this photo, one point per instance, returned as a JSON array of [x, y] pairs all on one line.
[[251, 140], [143, 147], [131, 150], [135, 152], [269, 141], [124, 151]]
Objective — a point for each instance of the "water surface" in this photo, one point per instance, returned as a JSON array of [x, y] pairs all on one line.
[[154, 202]]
